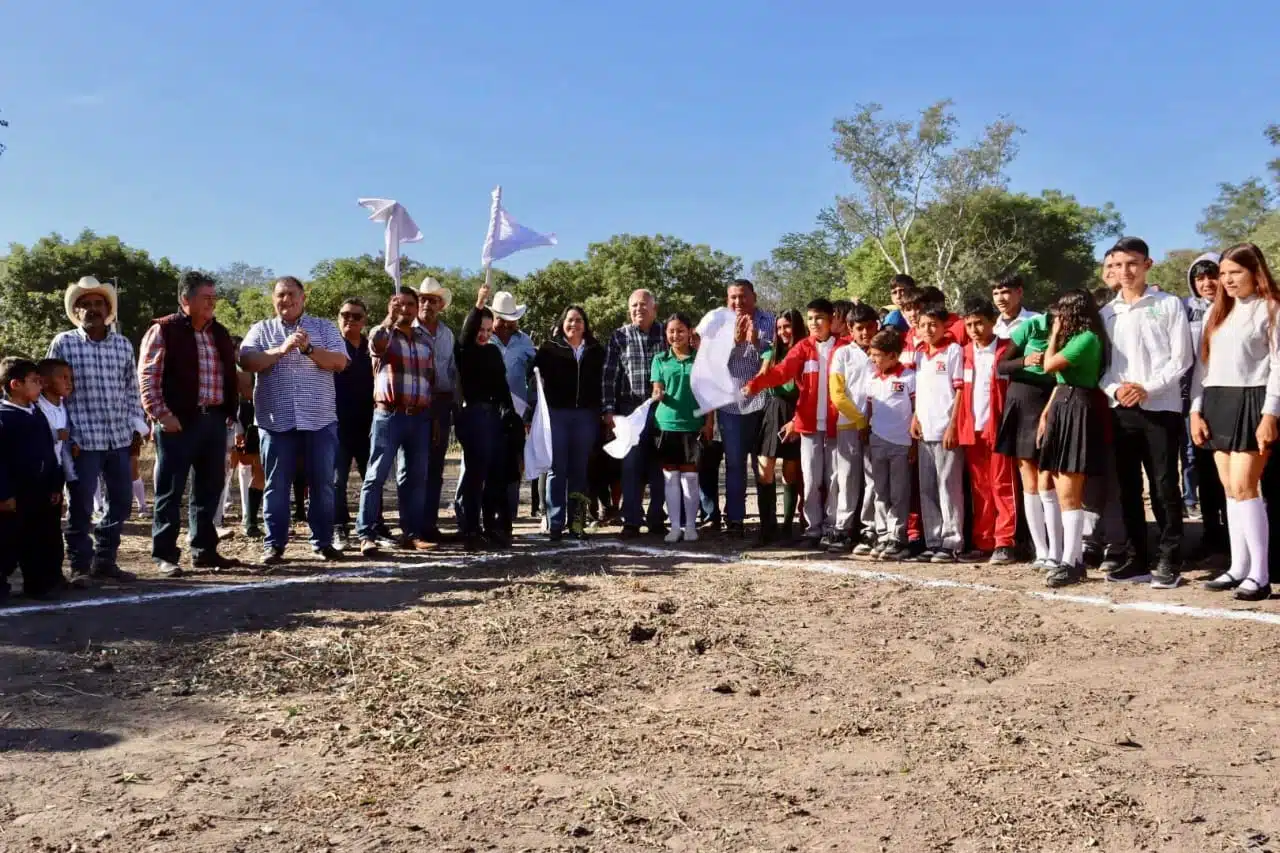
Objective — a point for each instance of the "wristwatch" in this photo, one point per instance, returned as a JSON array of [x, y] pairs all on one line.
[[310, 348]]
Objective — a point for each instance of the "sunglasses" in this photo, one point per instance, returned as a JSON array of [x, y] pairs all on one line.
[[350, 315]]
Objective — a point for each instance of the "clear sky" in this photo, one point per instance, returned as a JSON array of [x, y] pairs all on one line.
[[238, 130]]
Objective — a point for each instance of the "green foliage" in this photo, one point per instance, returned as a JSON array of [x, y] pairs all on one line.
[[33, 281], [1170, 273], [805, 266], [1238, 211], [1267, 237]]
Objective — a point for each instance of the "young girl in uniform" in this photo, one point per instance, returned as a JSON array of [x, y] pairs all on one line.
[[1235, 398], [1072, 428], [678, 426], [773, 446]]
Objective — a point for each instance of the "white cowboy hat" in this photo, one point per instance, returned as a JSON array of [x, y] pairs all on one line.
[[84, 287], [505, 308], [431, 287]]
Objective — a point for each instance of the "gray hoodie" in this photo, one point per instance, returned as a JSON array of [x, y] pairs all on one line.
[[1197, 305]]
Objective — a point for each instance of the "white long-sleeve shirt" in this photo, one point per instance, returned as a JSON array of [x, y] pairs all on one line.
[[1150, 347], [1243, 353]]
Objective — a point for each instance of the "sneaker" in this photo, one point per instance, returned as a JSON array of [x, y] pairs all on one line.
[[1062, 575], [810, 542], [1002, 556], [878, 549], [925, 556], [838, 543], [112, 572], [169, 569], [327, 553], [864, 549], [1113, 559], [341, 538], [80, 579], [272, 556], [253, 531], [826, 540], [943, 555], [214, 562], [629, 531], [975, 556], [895, 552], [369, 548], [1168, 575], [672, 537], [710, 525], [384, 536], [414, 543], [1131, 571]]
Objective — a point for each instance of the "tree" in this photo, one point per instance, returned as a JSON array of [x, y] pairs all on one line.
[[805, 266], [1237, 213], [905, 172], [1170, 273], [33, 281], [239, 275]]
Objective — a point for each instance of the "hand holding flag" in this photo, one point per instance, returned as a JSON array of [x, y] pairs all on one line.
[[506, 236], [400, 229]]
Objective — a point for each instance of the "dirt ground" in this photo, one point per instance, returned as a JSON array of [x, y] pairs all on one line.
[[610, 699]]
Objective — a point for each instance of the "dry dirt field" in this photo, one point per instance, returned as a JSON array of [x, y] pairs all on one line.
[[614, 699]]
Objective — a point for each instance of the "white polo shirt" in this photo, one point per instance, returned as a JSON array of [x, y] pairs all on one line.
[[1150, 346], [1004, 328], [937, 378], [891, 396], [984, 371]]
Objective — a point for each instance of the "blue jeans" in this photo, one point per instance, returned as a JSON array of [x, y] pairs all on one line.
[[393, 433], [741, 435], [353, 446], [280, 454], [1190, 476], [99, 550], [640, 467], [573, 434], [483, 485], [198, 451], [441, 415]]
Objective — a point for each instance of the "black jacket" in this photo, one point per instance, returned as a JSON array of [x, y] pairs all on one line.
[[29, 469], [569, 383]]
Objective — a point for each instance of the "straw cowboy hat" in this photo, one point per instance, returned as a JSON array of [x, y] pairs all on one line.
[[85, 287], [431, 287], [505, 308]]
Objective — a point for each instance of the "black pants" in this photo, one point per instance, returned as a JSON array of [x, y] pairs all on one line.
[[31, 540], [199, 452], [353, 446], [484, 481], [1213, 501], [709, 478], [1150, 441]]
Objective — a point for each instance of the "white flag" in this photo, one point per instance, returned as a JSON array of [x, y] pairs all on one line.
[[626, 431], [400, 229], [506, 236], [713, 387], [537, 448]]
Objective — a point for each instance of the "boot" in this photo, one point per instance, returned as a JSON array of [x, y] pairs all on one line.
[[767, 498], [253, 514]]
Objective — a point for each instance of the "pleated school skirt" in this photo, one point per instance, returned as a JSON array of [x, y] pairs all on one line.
[[1075, 438], [1023, 405], [1233, 415], [778, 411], [677, 449]]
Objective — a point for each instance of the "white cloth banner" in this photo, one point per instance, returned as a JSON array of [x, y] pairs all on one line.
[[537, 448], [626, 431], [506, 236], [400, 229], [713, 387]]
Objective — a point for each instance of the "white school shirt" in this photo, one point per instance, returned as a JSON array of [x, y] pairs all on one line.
[[937, 378], [822, 365], [1242, 354], [984, 370], [1004, 328], [1150, 346], [56, 415], [851, 364], [891, 405]]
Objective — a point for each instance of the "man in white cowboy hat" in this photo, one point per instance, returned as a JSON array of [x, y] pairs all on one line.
[[105, 411], [433, 299]]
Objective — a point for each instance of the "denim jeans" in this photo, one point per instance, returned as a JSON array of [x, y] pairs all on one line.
[[640, 467], [741, 434], [99, 550], [394, 433], [198, 451], [441, 415], [484, 484], [573, 434], [1190, 475], [353, 446], [280, 454]]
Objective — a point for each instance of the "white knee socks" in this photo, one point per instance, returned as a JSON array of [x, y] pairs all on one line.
[[1035, 523], [1252, 517], [689, 487], [1072, 536], [1239, 568], [140, 495], [1055, 524], [245, 474], [671, 486]]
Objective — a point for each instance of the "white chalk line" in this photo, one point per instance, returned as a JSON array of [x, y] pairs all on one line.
[[464, 561]]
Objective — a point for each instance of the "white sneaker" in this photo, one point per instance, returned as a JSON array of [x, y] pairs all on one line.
[[674, 536], [691, 534], [168, 569]]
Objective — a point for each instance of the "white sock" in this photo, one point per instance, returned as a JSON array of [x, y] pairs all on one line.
[[1072, 536], [1035, 523], [1055, 524], [1236, 524], [671, 487], [140, 494], [1253, 514], [245, 473], [689, 490]]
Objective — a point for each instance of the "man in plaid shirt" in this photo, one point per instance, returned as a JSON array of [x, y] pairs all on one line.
[[627, 362], [106, 414], [403, 372]]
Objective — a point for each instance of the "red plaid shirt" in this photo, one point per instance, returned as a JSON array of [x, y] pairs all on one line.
[[403, 367], [151, 371]]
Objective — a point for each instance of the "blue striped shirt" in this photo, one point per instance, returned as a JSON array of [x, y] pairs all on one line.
[[295, 393], [105, 408]]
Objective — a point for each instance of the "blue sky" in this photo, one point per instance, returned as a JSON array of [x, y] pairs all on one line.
[[216, 132]]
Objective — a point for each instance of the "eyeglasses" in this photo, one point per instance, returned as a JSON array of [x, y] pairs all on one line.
[[350, 315]]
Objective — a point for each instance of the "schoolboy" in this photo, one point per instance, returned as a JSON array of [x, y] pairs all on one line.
[[1006, 295], [900, 286], [911, 306], [1200, 482], [864, 323], [808, 364], [891, 390], [57, 384], [847, 386], [31, 482], [981, 406], [939, 372]]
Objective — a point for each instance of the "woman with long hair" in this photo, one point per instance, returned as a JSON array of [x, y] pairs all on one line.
[[772, 445], [1235, 399], [1072, 428], [572, 368]]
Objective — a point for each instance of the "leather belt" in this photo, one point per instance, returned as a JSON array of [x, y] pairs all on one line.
[[401, 410]]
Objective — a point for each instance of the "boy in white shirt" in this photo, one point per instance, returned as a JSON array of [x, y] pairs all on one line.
[[58, 383], [939, 377], [891, 391]]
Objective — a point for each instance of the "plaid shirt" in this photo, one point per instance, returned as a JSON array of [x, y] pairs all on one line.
[[295, 393], [627, 361], [151, 371], [403, 367], [105, 408], [442, 343], [744, 362]]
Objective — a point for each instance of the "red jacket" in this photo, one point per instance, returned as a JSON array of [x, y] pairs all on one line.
[[999, 385], [801, 366]]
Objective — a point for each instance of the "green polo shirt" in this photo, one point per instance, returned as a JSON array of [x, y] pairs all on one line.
[[676, 411], [1031, 336], [1084, 354]]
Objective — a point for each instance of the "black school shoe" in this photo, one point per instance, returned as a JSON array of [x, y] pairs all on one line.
[[1250, 591], [1168, 574], [328, 554], [1132, 570], [1063, 575], [214, 562], [113, 573]]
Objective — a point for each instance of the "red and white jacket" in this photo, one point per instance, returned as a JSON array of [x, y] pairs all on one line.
[[999, 385], [810, 369]]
